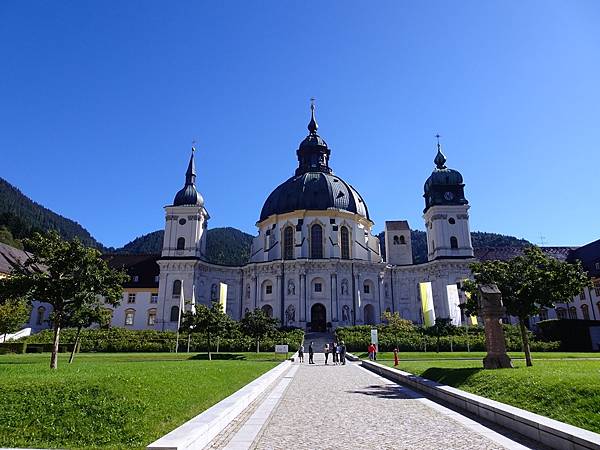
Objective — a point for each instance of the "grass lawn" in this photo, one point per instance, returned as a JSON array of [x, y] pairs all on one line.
[[565, 390], [114, 400]]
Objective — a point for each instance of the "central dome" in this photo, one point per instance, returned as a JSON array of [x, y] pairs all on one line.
[[314, 186], [315, 191]]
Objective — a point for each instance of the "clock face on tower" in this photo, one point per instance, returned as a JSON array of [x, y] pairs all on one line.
[[448, 195]]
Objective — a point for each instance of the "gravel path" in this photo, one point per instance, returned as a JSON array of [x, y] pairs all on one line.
[[328, 407]]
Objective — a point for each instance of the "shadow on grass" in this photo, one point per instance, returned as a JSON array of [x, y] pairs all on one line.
[[386, 391], [452, 377]]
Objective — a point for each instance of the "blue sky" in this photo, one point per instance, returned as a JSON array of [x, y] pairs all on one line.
[[101, 99]]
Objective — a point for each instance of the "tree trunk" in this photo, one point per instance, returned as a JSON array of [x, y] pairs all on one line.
[[54, 357], [75, 346], [525, 339], [257, 345], [437, 344]]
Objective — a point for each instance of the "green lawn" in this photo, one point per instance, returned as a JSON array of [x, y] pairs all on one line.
[[114, 400], [565, 390]]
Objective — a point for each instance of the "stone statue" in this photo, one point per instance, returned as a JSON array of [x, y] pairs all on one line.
[[246, 311], [291, 288], [345, 313], [386, 288], [247, 291], [290, 314], [492, 310], [213, 292], [344, 287]]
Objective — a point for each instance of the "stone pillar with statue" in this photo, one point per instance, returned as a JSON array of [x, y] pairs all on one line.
[[492, 310]]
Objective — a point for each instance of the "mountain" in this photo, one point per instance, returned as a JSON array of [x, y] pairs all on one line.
[[227, 246], [479, 239], [20, 217]]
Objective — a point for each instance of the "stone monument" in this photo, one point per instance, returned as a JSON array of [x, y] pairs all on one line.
[[492, 310]]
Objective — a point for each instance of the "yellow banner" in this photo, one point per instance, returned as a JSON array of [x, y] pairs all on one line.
[[473, 319], [223, 296], [427, 304]]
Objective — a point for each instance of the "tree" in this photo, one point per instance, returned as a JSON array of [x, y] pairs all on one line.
[[397, 325], [85, 317], [212, 321], [528, 283], [442, 327], [258, 325], [65, 274], [14, 313]]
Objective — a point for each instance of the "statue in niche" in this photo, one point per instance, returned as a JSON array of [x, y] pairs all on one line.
[[344, 287], [345, 313], [291, 288], [213, 292], [247, 291], [386, 288], [290, 314], [246, 311]]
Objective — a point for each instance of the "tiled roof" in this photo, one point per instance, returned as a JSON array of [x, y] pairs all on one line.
[[10, 255], [142, 266], [589, 255], [509, 252]]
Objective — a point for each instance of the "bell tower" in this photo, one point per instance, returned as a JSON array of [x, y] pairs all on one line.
[[186, 220], [446, 212]]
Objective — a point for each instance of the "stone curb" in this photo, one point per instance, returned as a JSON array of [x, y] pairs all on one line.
[[202, 429], [550, 432]]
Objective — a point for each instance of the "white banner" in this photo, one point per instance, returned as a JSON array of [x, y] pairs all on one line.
[[223, 296], [427, 304], [453, 302]]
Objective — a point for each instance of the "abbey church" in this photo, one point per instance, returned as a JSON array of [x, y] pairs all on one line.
[[315, 262]]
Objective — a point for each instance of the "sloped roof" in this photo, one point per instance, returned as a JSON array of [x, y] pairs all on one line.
[[397, 225], [10, 255], [589, 255], [509, 252], [142, 266]]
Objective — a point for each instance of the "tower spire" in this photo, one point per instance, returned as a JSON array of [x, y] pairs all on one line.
[[440, 158], [312, 125], [190, 174]]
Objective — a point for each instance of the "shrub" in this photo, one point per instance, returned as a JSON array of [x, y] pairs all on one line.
[[13, 347]]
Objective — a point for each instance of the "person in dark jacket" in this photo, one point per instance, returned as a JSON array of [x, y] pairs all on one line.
[[310, 353], [343, 353]]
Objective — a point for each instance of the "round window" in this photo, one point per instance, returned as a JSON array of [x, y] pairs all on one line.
[[182, 221], [451, 221]]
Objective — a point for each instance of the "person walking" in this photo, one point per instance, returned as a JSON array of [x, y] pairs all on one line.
[[371, 351], [310, 353], [343, 353], [326, 351], [301, 353], [338, 350]]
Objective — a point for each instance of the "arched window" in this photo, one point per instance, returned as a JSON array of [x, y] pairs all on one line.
[[129, 316], [396, 240], [572, 313], [176, 288], [41, 312], [561, 313], [585, 311], [345, 241], [316, 242], [180, 243], [288, 243], [152, 316], [402, 240], [174, 313], [453, 242]]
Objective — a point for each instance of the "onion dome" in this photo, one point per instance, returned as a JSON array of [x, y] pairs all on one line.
[[444, 186], [189, 195], [314, 186]]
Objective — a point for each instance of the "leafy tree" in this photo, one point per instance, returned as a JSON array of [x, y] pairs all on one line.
[[85, 317], [528, 283], [65, 274], [258, 325], [212, 321], [14, 313], [397, 325]]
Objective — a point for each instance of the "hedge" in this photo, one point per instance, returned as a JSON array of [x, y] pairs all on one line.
[[123, 340], [358, 338]]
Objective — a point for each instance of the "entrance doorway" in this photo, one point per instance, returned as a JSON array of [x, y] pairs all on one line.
[[318, 318], [369, 315]]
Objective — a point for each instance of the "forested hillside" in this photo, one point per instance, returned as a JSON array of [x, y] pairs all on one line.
[[20, 217]]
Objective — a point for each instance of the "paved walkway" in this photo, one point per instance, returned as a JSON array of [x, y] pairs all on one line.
[[327, 407]]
